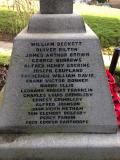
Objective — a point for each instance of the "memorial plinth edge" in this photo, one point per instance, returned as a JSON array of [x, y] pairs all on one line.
[[60, 146]]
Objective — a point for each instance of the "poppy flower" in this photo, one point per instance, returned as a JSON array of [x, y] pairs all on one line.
[[114, 89]]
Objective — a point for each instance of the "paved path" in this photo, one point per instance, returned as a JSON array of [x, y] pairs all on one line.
[[107, 60], [8, 46], [5, 46]]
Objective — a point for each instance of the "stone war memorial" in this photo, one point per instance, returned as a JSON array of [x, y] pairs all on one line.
[[57, 104]]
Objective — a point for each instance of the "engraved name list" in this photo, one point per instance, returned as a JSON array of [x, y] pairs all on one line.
[[55, 71]]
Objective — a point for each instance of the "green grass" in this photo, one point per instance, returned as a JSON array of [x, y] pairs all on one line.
[[6, 21], [10, 22], [107, 29], [5, 57], [104, 21]]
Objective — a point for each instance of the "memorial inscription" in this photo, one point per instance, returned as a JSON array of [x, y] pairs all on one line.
[[59, 82], [56, 68]]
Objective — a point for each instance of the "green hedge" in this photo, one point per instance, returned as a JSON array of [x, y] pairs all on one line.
[[10, 22], [101, 1], [107, 28], [4, 58]]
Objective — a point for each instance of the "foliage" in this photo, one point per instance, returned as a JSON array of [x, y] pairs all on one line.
[[101, 1], [6, 21], [4, 58], [4, 63], [14, 18], [108, 51], [3, 76], [117, 78], [24, 9], [104, 24], [107, 29]]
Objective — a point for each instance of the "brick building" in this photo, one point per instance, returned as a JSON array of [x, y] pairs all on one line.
[[115, 3]]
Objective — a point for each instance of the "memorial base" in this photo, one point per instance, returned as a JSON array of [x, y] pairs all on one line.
[[60, 147], [57, 83]]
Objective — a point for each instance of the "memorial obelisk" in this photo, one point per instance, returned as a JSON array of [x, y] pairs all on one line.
[[56, 81]]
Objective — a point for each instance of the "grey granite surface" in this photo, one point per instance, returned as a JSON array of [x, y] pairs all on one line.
[[56, 6], [57, 23], [60, 147], [23, 110], [56, 81], [37, 59]]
